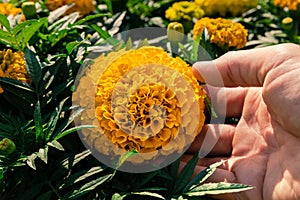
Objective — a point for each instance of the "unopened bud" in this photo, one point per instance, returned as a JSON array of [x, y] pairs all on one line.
[[287, 23], [175, 32], [29, 10], [7, 146]]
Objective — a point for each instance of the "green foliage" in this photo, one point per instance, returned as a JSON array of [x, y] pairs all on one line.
[[46, 159]]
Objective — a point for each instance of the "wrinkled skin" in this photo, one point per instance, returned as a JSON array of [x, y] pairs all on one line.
[[263, 149]]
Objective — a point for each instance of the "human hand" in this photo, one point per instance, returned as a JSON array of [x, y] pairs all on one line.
[[263, 149]]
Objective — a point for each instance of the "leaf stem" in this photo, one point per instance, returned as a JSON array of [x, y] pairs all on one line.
[[54, 190]]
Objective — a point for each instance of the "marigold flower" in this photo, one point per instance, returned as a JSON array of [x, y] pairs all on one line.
[[223, 8], [9, 9], [145, 100], [12, 65], [84, 7], [223, 32], [290, 4], [184, 10]]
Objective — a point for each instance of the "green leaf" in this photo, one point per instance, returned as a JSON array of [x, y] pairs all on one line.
[[202, 176], [4, 22], [6, 38], [38, 124], [105, 35], [117, 196], [81, 175], [87, 187], [90, 17], [22, 90], [71, 130], [218, 188], [185, 174], [210, 107], [195, 49], [67, 163], [33, 65], [73, 45], [43, 154], [27, 32], [54, 119], [56, 145], [124, 157], [31, 160], [151, 194]]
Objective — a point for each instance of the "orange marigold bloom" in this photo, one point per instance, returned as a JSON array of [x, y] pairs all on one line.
[[223, 32], [12, 65], [290, 4], [145, 100], [84, 7]]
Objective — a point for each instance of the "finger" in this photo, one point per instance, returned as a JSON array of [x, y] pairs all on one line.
[[227, 102], [242, 68], [214, 140]]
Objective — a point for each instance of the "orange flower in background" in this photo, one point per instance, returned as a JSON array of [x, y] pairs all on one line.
[[9, 9], [84, 7], [12, 65], [223, 32], [290, 4]]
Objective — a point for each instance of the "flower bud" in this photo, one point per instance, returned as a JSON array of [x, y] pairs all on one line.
[[287, 23], [175, 32], [29, 10], [7, 146]]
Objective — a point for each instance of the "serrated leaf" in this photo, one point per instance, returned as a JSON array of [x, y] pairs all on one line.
[[90, 17], [4, 22], [105, 35], [202, 176], [31, 161], [185, 174], [43, 154], [125, 157], [33, 65], [72, 130], [218, 188], [68, 163], [54, 119], [82, 175], [88, 187], [56, 145], [27, 32], [22, 90], [151, 194], [117, 196], [38, 124]]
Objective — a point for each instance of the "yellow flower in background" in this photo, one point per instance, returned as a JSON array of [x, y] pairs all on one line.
[[223, 32], [184, 10], [9, 9], [84, 7], [12, 65], [223, 8], [290, 4]]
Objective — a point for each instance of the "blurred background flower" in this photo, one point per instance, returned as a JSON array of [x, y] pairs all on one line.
[[213, 8], [12, 65], [84, 7], [9, 9], [290, 4], [223, 32], [184, 12]]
